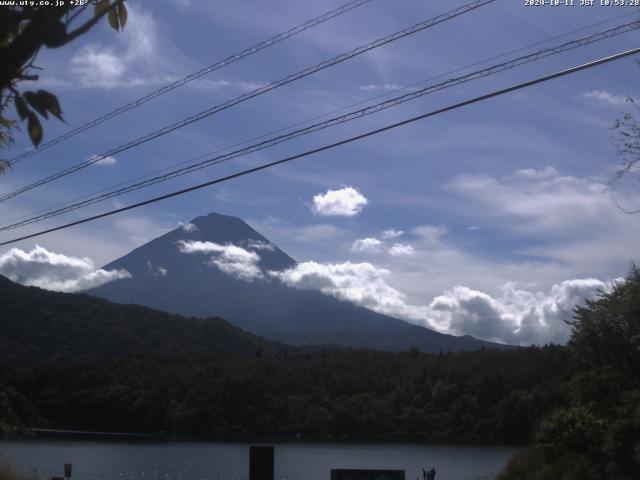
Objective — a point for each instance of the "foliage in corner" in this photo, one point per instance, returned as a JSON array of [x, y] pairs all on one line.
[[598, 434], [24, 30]]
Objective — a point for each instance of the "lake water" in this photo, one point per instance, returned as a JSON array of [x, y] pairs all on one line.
[[119, 460]]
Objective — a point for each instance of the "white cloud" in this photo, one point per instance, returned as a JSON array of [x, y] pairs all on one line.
[[603, 96], [198, 247], [346, 202], [366, 245], [108, 160], [391, 234], [401, 250], [379, 87], [53, 271], [189, 227], [231, 259], [516, 316], [361, 283], [260, 245], [158, 271]]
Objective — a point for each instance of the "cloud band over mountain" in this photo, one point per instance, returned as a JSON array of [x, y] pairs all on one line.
[[54, 271]]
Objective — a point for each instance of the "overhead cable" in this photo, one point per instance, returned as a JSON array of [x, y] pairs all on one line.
[[194, 76], [412, 95], [307, 153], [254, 93]]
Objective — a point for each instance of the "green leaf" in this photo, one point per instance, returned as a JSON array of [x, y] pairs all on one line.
[[34, 128], [50, 102], [21, 107], [113, 18], [122, 15], [35, 101], [100, 7]]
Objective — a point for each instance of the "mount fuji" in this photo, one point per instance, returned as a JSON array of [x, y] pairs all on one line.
[[215, 266]]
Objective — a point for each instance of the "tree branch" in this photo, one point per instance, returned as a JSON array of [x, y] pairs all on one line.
[[90, 23]]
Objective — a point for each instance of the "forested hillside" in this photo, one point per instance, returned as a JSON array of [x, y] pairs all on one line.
[[41, 325]]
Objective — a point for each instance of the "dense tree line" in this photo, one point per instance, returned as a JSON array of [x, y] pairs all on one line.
[[485, 395]]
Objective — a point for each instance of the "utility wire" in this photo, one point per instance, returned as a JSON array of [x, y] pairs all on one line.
[[516, 62], [194, 76], [316, 117], [307, 153], [259, 91]]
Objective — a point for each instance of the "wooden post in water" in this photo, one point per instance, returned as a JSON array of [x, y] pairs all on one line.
[[261, 463]]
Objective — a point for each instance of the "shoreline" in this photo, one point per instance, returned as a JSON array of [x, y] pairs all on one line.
[[166, 437]]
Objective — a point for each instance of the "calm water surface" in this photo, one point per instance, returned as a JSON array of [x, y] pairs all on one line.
[[114, 460]]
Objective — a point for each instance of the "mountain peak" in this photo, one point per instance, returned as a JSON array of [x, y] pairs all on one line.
[[217, 265], [216, 217], [218, 228]]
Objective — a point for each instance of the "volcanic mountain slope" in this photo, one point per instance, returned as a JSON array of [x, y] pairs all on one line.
[[216, 279]]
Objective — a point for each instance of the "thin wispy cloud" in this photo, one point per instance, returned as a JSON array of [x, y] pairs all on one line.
[[543, 200], [603, 96], [135, 59], [208, 84]]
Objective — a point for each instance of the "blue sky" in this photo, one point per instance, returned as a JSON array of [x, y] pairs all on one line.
[[504, 219]]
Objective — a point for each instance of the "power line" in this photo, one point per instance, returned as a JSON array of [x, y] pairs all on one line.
[[242, 173], [259, 91], [316, 117], [589, 39], [194, 76]]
